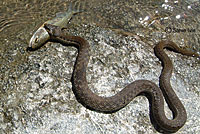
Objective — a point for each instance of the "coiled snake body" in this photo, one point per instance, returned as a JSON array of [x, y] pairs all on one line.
[[140, 87]]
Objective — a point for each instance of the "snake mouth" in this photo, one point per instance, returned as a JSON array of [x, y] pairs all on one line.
[[53, 30]]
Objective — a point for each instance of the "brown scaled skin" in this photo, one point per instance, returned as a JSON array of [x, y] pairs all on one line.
[[139, 87]]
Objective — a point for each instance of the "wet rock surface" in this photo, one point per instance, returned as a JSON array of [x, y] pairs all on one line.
[[35, 87]]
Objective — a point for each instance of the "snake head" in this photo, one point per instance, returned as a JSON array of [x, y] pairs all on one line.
[[53, 30]]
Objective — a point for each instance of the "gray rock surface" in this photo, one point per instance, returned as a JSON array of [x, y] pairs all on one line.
[[35, 87]]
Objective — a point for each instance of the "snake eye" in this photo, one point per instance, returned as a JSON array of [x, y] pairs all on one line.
[[36, 40]]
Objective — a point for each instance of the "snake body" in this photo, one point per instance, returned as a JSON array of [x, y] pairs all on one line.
[[139, 87]]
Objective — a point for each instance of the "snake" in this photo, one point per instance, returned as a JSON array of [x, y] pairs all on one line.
[[155, 94]]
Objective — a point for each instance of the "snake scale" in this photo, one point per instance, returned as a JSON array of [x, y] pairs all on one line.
[[139, 87]]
